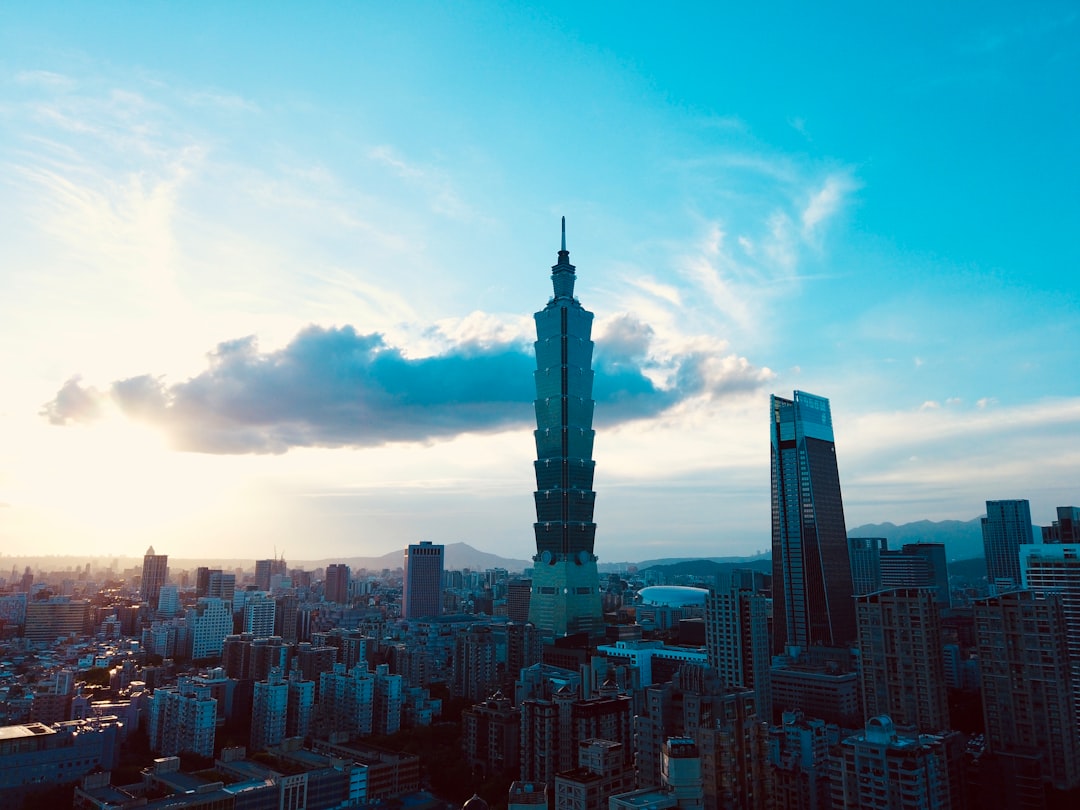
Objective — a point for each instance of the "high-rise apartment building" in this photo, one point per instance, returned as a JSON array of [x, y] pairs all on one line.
[[1055, 568], [209, 622], [812, 588], [266, 570], [737, 638], [903, 670], [259, 612], [1006, 527], [883, 768], [270, 705], [1026, 683], [337, 583], [422, 587], [155, 570], [565, 595]]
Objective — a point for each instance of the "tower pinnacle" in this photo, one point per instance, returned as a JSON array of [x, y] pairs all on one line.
[[563, 233]]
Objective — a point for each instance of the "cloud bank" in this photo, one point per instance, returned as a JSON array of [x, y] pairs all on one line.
[[335, 387]]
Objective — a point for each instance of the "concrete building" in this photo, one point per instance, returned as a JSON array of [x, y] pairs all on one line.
[[270, 704], [1026, 682], [491, 736], [300, 712], [881, 768], [182, 718], [336, 588], [737, 638], [799, 758], [209, 622], [259, 612], [602, 771], [388, 700], [346, 702]]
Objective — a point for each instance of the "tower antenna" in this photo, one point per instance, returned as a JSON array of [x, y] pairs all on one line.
[[563, 233]]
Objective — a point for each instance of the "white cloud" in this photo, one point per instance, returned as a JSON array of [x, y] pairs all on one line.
[[825, 202]]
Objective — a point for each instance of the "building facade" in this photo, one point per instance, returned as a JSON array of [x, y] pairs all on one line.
[[1006, 527], [811, 572], [422, 586], [903, 669], [155, 570], [565, 596]]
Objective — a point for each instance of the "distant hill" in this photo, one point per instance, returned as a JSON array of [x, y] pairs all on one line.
[[706, 569], [962, 538], [455, 557]]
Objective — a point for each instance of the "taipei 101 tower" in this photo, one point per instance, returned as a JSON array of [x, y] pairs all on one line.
[[565, 595]]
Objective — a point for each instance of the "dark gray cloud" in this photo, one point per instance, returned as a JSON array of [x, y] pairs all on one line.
[[334, 387]]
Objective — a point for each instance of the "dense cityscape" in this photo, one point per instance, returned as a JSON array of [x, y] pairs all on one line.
[[842, 672]]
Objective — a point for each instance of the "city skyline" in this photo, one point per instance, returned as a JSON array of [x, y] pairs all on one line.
[[245, 258]]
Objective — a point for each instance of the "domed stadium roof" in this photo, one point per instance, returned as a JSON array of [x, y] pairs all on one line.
[[672, 595]]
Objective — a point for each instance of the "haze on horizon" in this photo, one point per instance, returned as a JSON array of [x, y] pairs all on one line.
[[267, 279]]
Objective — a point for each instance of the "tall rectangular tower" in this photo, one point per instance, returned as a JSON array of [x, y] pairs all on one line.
[[155, 570], [565, 595], [422, 589], [812, 589], [1006, 527]]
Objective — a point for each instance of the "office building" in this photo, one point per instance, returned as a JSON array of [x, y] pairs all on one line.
[[422, 591], [565, 596], [168, 603], [266, 571], [336, 588], [155, 570], [903, 669], [518, 592], [812, 588], [56, 618], [864, 554], [1026, 682], [917, 565], [1006, 527], [883, 768], [1066, 529]]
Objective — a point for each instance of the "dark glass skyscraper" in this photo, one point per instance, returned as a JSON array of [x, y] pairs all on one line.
[[1006, 527], [812, 592], [565, 595]]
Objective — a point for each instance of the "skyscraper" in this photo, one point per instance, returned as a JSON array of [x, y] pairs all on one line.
[[337, 583], [155, 569], [422, 587], [1006, 527], [812, 589], [565, 595]]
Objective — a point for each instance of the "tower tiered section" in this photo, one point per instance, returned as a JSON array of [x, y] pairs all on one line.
[[565, 596]]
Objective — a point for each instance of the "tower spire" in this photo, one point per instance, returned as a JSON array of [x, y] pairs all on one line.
[[563, 234]]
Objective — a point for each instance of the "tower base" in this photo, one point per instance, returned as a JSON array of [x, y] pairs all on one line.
[[565, 598]]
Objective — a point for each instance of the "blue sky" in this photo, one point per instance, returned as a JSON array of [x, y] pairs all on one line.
[[268, 270]]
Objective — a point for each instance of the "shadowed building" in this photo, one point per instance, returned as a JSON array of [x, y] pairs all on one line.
[[565, 595], [155, 570], [811, 573], [1006, 527], [422, 586]]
